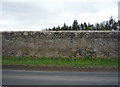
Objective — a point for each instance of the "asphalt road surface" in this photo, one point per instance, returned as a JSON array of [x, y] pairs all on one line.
[[17, 77]]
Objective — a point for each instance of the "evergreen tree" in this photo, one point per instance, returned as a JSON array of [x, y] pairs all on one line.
[[69, 28], [112, 23], [54, 28], [90, 27], [49, 29], [75, 25], [107, 27], [102, 26], [97, 26], [82, 26], [64, 27], [58, 28], [85, 25]]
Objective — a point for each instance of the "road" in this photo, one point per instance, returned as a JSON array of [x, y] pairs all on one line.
[[17, 77]]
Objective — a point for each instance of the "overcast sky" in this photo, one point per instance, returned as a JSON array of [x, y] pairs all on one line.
[[35, 15]]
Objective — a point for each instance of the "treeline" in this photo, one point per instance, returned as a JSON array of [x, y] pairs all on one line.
[[106, 25]]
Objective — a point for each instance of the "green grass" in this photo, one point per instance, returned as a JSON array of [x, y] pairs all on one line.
[[72, 62]]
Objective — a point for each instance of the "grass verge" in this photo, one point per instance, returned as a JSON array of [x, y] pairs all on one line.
[[67, 62]]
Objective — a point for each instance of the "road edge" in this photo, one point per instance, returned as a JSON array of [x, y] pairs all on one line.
[[58, 68]]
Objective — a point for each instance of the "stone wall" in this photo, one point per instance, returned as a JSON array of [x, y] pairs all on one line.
[[100, 44]]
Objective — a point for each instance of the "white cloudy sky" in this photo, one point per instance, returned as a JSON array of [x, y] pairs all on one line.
[[35, 15]]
